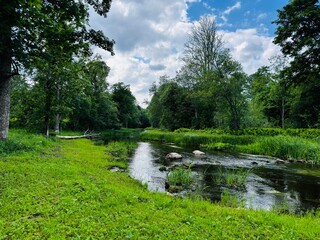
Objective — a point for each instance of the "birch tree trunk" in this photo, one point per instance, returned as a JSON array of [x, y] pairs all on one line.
[[5, 72]]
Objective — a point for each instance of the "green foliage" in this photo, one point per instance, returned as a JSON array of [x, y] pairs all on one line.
[[180, 177], [219, 146], [121, 134], [128, 112], [298, 34], [170, 106]]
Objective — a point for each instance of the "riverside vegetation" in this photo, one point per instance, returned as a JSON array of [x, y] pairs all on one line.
[[62, 189], [288, 144]]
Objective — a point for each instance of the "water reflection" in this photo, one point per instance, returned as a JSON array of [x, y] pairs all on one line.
[[145, 167], [268, 185]]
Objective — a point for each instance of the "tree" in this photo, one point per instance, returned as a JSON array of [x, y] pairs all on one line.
[[126, 104], [211, 73], [170, 106], [27, 26], [298, 34], [230, 84]]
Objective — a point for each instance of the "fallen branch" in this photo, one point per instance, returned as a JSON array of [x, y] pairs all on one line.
[[92, 136]]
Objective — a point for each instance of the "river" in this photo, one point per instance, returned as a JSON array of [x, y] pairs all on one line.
[[294, 187]]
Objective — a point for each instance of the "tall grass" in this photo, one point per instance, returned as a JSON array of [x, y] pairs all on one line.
[[22, 141], [285, 147], [232, 177], [120, 150], [281, 146], [180, 177]]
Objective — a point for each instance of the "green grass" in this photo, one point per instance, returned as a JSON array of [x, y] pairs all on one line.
[[232, 177], [64, 190], [285, 147], [20, 141], [281, 146], [180, 177]]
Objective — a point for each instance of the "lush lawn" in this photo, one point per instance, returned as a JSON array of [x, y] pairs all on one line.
[[64, 190]]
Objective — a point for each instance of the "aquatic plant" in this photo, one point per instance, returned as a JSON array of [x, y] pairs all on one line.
[[232, 177], [180, 177]]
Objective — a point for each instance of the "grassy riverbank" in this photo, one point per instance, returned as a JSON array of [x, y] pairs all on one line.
[[52, 189], [296, 144]]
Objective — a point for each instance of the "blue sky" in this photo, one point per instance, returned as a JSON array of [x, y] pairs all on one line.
[[239, 14], [150, 36]]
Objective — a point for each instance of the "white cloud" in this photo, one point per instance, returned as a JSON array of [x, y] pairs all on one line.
[[150, 36], [225, 13], [249, 48], [262, 16], [232, 8]]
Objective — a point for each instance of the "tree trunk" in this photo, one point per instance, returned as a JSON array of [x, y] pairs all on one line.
[[4, 104], [57, 123], [58, 117], [48, 103], [5, 69]]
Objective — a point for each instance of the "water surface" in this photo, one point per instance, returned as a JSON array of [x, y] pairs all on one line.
[[268, 186]]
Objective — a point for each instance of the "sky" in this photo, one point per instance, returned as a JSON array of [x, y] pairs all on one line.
[[150, 36]]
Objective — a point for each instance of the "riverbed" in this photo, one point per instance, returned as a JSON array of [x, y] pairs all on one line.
[[269, 184]]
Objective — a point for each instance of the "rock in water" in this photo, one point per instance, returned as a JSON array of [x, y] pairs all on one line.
[[173, 156], [198, 153]]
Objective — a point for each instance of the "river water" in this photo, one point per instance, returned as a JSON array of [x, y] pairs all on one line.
[[295, 187]]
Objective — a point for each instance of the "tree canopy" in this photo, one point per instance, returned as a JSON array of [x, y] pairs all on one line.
[[39, 30]]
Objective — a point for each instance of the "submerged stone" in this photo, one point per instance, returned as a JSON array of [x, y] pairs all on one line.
[[198, 153], [173, 156]]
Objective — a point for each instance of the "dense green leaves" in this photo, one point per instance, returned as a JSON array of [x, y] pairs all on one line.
[[298, 34]]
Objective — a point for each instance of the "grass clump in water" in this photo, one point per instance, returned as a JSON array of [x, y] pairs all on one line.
[[232, 177], [180, 177]]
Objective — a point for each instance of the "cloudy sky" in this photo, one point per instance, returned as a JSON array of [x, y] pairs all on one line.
[[150, 36]]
